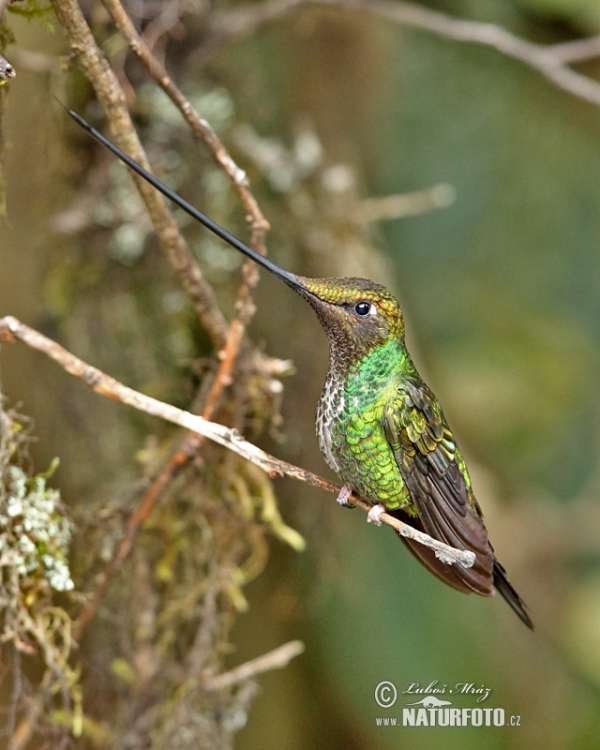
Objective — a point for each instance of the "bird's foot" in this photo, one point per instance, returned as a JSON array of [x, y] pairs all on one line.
[[342, 498], [374, 513]]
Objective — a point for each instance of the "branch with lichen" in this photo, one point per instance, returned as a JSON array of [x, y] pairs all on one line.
[[231, 344], [35, 534], [109, 91], [11, 329]]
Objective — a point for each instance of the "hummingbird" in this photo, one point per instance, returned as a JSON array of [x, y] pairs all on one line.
[[380, 427]]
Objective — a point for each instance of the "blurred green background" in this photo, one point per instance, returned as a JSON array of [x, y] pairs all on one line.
[[501, 292]]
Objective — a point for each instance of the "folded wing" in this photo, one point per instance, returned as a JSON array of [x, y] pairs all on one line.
[[436, 477]]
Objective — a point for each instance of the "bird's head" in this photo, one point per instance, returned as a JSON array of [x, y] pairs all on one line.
[[356, 314]]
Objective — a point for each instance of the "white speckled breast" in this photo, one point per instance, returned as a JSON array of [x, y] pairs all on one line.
[[330, 406]]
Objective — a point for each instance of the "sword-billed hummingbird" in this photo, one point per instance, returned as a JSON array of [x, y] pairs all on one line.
[[379, 426]]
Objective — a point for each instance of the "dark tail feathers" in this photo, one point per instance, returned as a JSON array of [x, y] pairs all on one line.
[[505, 587]]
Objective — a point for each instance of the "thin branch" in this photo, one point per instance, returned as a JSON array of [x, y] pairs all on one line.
[[166, 21], [189, 447], [405, 204], [11, 329], [28, 724], [133, 524], [110, 94], [277, 659], [551, 61], [579, 50], [239, 180]]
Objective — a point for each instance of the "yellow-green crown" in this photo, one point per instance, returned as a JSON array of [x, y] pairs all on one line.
[[338, 303]]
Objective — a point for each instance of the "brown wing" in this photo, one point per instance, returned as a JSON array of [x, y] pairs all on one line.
[[434, 473]]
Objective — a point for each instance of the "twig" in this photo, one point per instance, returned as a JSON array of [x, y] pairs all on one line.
[[189, 448], [27, 725], [166, 21], [277, 659], [110, 94], [405, 204], [549, 60], [11, 329], [239, 180], [133, 524], [579, 50], [552, 61]]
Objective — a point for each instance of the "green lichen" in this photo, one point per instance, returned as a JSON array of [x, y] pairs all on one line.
[[34, 533]]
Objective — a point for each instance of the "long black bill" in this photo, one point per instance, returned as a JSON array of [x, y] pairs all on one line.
[[286, 276]]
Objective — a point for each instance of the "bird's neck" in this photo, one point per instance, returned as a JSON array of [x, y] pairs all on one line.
[[371, 369]]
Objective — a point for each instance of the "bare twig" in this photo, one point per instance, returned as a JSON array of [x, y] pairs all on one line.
[[11, 329], [405, 204], [110, 94], [549, 60], [167, 21], [576, 51], [552, 61], [259, 225], [26, 727], [189, 448], [277, 659]]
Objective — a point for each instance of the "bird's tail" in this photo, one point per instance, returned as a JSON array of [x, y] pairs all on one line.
[[507, 590]]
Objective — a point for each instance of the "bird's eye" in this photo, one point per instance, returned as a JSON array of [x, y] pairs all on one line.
[[364, 308]]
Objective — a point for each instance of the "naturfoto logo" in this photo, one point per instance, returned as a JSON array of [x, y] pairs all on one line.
[[430, 710]]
